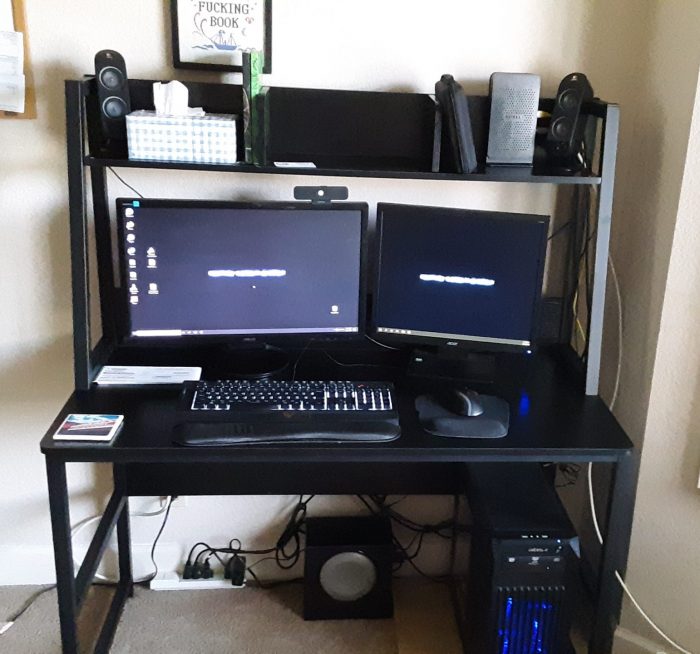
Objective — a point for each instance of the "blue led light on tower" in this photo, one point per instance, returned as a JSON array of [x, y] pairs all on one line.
[[526, 627]]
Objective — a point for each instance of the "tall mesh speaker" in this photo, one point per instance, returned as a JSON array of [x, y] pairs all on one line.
[[514, 102]]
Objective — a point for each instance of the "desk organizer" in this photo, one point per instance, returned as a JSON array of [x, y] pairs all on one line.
[[196, 139]]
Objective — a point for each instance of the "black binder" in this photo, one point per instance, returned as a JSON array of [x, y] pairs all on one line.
[[458, 146]]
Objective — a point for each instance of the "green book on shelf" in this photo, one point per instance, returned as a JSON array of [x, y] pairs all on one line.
[[253, 62]]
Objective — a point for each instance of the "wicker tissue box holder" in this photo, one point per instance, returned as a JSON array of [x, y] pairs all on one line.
[[193, 139]]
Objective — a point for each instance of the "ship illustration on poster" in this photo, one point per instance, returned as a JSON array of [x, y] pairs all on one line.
[[223, 26]]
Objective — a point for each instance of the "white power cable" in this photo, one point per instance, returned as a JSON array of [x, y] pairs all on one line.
[[618, 576], [83, 524], [594, 514]]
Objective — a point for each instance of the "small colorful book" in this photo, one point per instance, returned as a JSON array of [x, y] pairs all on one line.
[[89, 427]]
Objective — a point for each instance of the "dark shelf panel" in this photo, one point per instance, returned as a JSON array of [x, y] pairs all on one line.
[[522, 175]]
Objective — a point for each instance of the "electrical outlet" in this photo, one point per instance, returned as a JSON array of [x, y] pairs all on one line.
[[180, 502]]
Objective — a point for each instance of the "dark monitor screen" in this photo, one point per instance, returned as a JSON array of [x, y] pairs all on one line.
[[456, 276], [206, 269]]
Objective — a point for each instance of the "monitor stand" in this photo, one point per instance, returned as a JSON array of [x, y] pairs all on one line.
[[255, 361], [458, 365]]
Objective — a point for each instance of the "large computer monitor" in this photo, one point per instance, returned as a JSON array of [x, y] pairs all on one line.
[[457, 277], [241, 271]]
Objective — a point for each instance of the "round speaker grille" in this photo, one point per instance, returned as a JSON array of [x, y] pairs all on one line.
[[561, 128], [114, 107], [348, 576], [568, 100], [111, 78]]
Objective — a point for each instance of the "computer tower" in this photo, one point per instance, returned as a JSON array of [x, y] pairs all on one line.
[[522, 564]]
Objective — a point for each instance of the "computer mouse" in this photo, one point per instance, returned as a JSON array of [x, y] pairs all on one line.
[[460, 401]]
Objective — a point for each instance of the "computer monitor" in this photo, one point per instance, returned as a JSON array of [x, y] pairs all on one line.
[[241, 272], [458, 277]]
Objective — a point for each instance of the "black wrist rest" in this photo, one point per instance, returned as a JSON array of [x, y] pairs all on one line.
[[216, 434]]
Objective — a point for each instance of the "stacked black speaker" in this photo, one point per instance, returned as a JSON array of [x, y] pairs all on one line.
[[565, 136], [113, 98]]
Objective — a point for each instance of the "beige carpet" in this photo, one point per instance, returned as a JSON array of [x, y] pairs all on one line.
[[247, 621]]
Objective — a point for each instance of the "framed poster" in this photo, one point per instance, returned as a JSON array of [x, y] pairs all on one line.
[[211, 35]]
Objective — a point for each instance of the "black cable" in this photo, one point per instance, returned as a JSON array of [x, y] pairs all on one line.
[[570, 473], [433, 528], [298, 359], [215, 554], [209, 551], [189, 556], [155, 541], [559, 230], [271, 584], [121, 179], [290, 534], [358, 365], [406, 555]]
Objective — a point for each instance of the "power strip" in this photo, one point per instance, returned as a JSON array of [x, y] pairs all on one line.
[[173, 581]]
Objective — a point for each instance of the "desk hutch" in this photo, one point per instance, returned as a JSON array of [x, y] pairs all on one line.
[[566, 420]]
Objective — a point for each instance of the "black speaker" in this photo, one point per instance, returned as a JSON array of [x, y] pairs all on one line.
[[566, 128], [347, 572], [112, 93]]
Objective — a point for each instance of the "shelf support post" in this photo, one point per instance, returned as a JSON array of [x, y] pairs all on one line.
[[611, 128], [78, 234]]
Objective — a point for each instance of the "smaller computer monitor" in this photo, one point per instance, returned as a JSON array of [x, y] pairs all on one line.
[[458, 277], [241, 272]]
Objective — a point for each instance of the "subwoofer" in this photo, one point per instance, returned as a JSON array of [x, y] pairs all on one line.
[[112, 94], [567, 125], [347, 572]]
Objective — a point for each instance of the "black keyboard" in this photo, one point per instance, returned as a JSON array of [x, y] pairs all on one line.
[[242, 412]]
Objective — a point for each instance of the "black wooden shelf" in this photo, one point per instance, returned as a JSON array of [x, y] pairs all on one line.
[[492, 174]]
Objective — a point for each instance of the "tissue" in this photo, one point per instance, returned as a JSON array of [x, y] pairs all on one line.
[[172, 99]]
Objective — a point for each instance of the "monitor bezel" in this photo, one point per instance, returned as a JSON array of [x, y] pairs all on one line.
[[299, 339], [458, 342]]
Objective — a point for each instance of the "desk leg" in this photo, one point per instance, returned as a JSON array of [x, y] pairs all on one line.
[[614, 555], [124, 533], [63, 554]]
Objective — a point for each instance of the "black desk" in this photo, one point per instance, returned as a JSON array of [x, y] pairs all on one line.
[[551, 421]]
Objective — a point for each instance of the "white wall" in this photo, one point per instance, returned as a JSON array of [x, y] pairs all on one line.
[[637, 53], [667, 521]]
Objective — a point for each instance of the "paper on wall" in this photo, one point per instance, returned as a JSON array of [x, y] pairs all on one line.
[[7, 22], [12, 83], [11, 53], [12, 93]]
